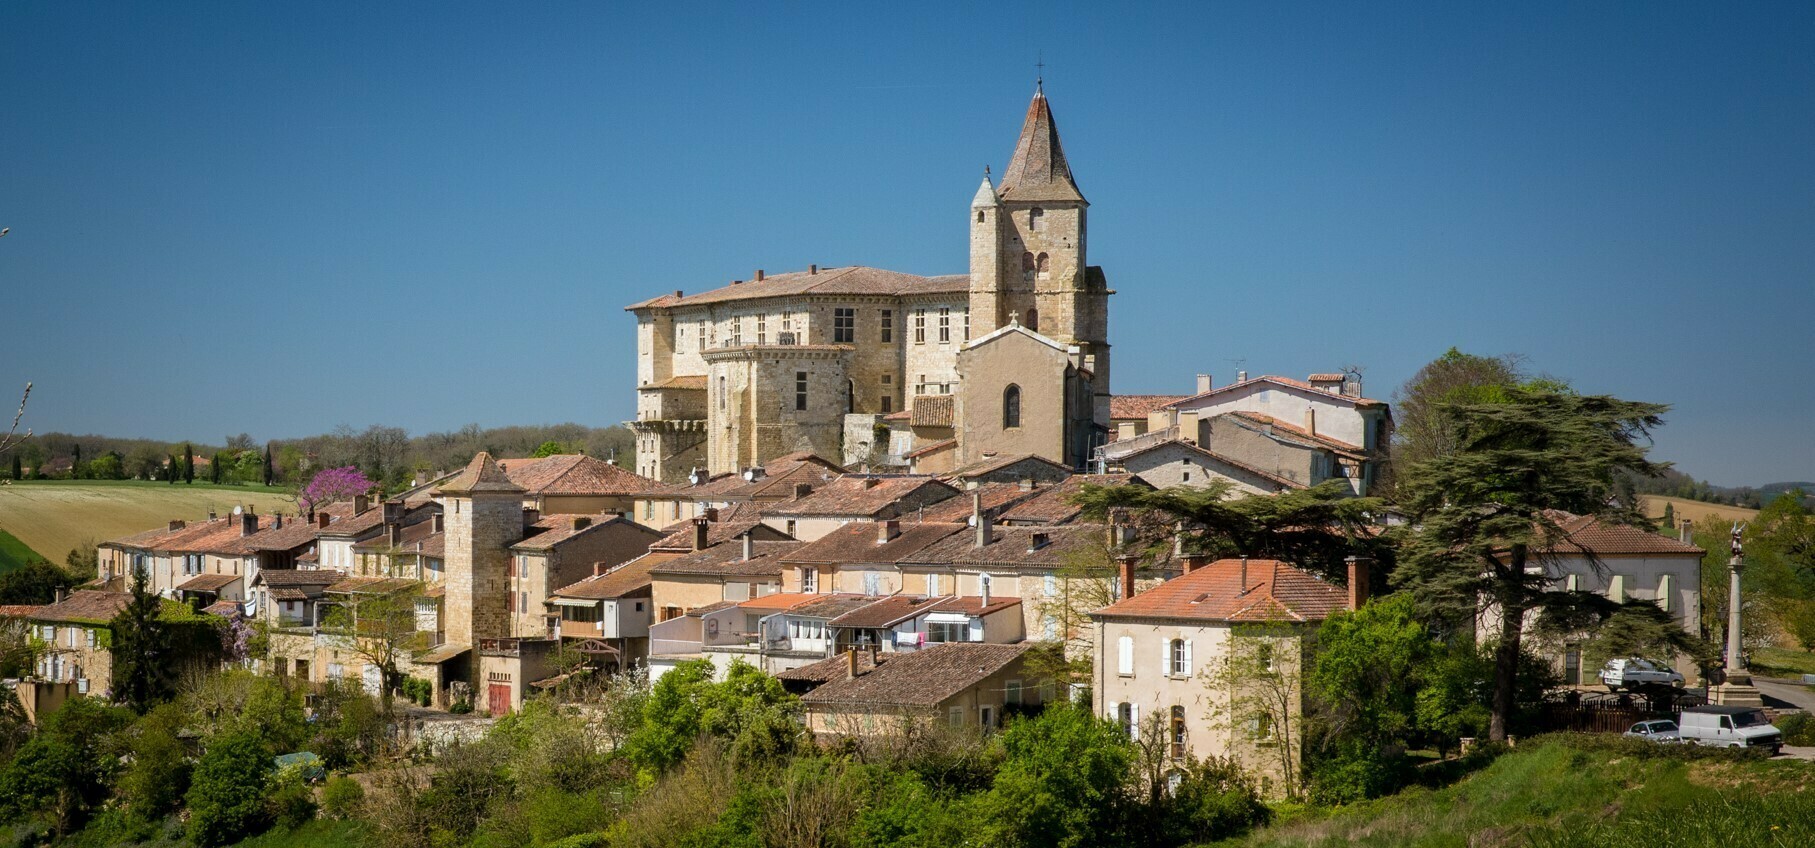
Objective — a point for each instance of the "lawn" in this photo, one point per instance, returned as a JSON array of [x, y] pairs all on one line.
[[53, 516], [14, 553], [1782, 662], [1555, 795]]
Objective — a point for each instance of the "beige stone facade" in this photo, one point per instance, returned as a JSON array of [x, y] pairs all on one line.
[[736, 376]]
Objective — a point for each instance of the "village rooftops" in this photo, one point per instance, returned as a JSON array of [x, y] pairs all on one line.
[[482, 475], [1214, 458], [84, 606], [894, 609], [986, 466], [728, 560], [574, 474], [208, 582], [774, 481], [1123, 407], [1021, 547], [371, 586], [1281, 429], [552, 531], [849, 280], [1053, 505], [731, 523], [1235, 590], [1285, 382], [1587, 533], [411, 538], [866, 496], [997, 498], [630, 579], [354, 526], [867, 542], [922, 678]]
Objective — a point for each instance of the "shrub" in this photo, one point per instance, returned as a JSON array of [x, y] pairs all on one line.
[[227, 797], [1798, 729], [292, 802], [343, 798], [1357, 773]]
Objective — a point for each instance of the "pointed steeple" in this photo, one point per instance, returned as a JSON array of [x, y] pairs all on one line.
[[480, 475], [986, 194], [1038, 170]]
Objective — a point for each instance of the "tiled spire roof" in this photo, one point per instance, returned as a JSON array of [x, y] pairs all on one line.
[[1038, 170], [481, 475]]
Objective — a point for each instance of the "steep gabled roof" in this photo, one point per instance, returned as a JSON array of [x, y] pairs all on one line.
[[1588, 533], [574, 474], [481, 475], [923, 678], [1038, 170]]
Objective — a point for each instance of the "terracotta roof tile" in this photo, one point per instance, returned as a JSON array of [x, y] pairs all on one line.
[[867, 496], [1052, 505], [20, 610], [1342, 447], [1137, 406], [851, 280], [997, 497], [1278, 381], [895, 609], [1236, 590], [1605, 539], [630, 578], [560, 530], [985, 466], [932, 411], [1038, 170], [1043, 547], [728, 559], [857, 543], [574, 474], [481, 475], [1216, 458], [208, 582], [84, 606], [926, 677]]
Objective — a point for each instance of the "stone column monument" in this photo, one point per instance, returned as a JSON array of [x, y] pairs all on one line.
[[1737, 691]]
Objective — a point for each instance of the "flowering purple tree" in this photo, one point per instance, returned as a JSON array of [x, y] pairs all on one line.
[[332, 484]]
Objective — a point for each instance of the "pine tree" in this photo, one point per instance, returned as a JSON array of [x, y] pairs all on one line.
[[18, 468], [170, 476], [75, 468], [214, 471], [270, 475], [143, 675], [188, 463]]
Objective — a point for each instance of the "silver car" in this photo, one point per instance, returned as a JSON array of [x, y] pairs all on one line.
[[1663, 731]]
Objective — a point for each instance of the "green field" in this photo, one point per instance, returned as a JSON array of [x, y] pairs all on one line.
[[1552, 794], [53, 516], [14, 553]]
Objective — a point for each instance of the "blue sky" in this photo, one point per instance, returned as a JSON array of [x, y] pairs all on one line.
[[276, 219]]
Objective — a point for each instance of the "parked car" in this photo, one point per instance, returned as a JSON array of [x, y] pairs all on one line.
[[1661, 731], [1633, 672], [1729, 727]]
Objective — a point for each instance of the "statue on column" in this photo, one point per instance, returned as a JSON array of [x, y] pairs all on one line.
[[1737, 689]]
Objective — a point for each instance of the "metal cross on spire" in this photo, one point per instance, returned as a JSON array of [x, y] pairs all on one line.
[[1040, 71]]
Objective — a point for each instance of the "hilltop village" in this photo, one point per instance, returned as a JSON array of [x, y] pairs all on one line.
[[871, 485]]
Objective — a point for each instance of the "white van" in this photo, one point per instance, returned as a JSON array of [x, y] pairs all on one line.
[[1729, 727]]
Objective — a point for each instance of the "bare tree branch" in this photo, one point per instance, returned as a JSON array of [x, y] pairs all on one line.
[[12, 437]]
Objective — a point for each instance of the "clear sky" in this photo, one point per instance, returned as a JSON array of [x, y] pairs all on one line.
[[279, 218]]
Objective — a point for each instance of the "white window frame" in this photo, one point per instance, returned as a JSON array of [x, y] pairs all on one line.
[[1124, 649]]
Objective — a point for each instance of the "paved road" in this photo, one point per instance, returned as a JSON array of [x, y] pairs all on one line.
[[1787, 693]]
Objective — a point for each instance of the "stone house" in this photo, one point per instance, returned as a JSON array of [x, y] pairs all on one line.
[[576, 484], [778, 480], [1181, 463], [864, 693], [616, 605], [853, 498], [563, 549], [1169, 656]]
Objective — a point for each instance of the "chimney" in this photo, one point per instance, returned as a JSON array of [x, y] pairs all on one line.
[[1037, 541], [749, 544], [60, 595], [531, 515], [701, 528], [393, 511], [1241, 376], [394, 535], [886, 530], [812, 269], [321, 520], [177, 524], [1242, 587], [677, 293], [421, 478], [875, 655], [1203, 383], [1359, 568], [440, 523], [982, 590], [870, 483], [211, 515], [711, 513], [248, 523], [581, 522], [1685, 531], [850, 666], [759, 276], [1027, 484], [277, 521], [1194, 562], [1351, 387], [802, 490], [1126, 563], [1311, 420], [980, 518], [1178, 540], [360, 503]]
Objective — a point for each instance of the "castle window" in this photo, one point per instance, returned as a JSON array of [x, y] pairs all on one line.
[[800, 390], [721, 392], [979, 216], [737, 332], [1033, 219], [844, 325], [1027, 266], [1011, 406], [888, 404], [850, 396], [888, 326], [967, 325], [1042, 266], [762, 329], [1033, 319], [920, 326], [945, 324]]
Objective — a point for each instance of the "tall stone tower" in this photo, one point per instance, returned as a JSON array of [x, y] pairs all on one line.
[[483, 515], [1028, 238]]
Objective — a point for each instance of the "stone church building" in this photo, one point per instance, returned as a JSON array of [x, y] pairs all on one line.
[[815, 360]]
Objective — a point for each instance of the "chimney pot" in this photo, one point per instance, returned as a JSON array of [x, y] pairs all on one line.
[[812, 269], [248, 523], [1359, 576], [850, 669], [677, 292], [701, 529], [980, 519], [711, 513], [360, 503], [1311, 420], [1241, 376], [277, 521], [581, 522], [177, 524], [1203, 383], [321, 520], [1194, 562], [886, 530], [759, 276], [1242, 587], [1126, 564], [749, 545]]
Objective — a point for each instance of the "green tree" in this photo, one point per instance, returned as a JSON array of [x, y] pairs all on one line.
[[157, 767], [215, 467], [170, 474], [1422, 430], [144, 673], [750, 709], [1363, 686], [227, 797], [381, 629], [65, 768], [37, 582], [108, 466], [1487, 512], [270, 470], [18, 470], [188, 463], [1063, 782], [549, 448]]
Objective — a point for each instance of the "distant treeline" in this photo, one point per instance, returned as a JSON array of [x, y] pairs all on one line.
[[387, 454], [1676, 484]]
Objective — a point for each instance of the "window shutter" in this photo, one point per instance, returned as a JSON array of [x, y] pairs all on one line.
[[1165, 657], [1190, 667], [1125, 655], [1134, 721], [1616, 591], [1112, 710], [1664, 593]]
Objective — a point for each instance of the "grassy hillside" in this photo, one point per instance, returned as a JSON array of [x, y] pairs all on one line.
[[1554, 795], [14, 553], [1695, 510], [53, 516]]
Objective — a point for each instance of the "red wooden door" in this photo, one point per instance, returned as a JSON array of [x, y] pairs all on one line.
[[499, 698]]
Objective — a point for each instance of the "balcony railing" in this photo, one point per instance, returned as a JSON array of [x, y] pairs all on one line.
[[1116, 450]]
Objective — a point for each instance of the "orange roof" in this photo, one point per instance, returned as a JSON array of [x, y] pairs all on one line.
[[1604, 539], [1137, 406], [1249, 590]]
